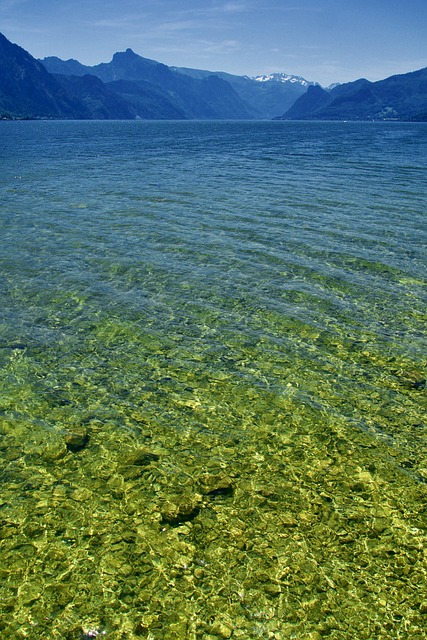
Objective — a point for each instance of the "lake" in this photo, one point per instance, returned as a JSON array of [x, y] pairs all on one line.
[[213, 380]]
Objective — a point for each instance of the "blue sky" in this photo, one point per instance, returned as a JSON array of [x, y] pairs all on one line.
[[322, 40]]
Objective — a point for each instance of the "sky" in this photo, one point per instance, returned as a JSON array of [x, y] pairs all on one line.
[[324, 41]]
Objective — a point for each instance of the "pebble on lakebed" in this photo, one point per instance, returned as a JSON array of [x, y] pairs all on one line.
[[132, 464], [77, 439], [180, 508], [215, 484]]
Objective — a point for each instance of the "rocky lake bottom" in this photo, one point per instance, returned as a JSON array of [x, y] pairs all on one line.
[[212, 374]]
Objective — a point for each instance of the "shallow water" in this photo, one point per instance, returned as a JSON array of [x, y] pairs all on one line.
[[213, 352]]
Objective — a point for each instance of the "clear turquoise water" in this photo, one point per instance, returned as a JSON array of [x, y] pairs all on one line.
[[213, 353]]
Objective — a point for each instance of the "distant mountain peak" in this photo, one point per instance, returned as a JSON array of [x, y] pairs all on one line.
[[128, 53], [130, 57], [283, 77]]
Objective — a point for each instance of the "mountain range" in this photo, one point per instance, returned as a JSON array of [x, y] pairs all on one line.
[[400, 97], [197, 93], [133, 87]]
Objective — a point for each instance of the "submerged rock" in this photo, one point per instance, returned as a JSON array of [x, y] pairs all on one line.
[[54, 451], [222, 629], [412, 379], [215, 484], [133, 464], [81, 494], [77, 439], [138, 457], [180, 509]]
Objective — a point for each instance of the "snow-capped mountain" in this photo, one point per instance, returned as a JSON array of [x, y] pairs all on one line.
[[265, 95], [283, 77]]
